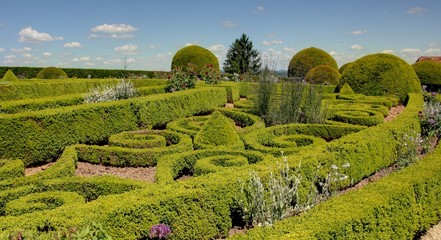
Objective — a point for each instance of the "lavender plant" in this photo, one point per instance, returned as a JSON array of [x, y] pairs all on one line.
[[160, 231]]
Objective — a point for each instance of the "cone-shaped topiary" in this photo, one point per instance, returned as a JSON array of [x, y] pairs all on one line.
[[429, 72], [218, 131], [381, 75], [323, 74], [197, 57], [346, 89], [9, 76], [51, 73], [307, 59]]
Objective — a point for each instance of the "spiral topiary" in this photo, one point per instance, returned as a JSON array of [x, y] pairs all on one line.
[[381, 75], [51, 73], [429, 72], [307, 59], [323, 74], [193, 59]]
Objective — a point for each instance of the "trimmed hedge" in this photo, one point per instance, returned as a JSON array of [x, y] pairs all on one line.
[[42, 201], [323, 74], [429, 73], [10, 169], [137, 152], [399, 206], [359, 117], [381, 75], [51, 73], [197, 56], [9, 76], [218, 131], [40, 136], [307, 59]]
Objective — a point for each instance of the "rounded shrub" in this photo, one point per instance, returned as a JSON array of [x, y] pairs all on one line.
[[194, 59], [51, 73], [307, 59], [343, 67], [381, 75], [323, 74], [429, 72]]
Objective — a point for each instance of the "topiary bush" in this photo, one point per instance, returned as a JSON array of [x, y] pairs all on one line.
[[51, 73], [323, 74], [429, 73], [9, 76], [381, 75], [307, 59], [194, 59], [346, 89], [343, 67]]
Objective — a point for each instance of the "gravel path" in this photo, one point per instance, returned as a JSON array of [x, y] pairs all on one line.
[[434, 233]]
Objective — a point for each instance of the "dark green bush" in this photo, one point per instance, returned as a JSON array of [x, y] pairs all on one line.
[[323, 74], [429, 72], [307, 59], [193, 59], [343, 67], [51, 73], [381, 75], [9, 76]]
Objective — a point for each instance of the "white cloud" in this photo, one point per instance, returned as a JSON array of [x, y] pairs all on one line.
[[389, 51], [268, 43], [433, 51], [27, 55], [358, 32], [289, 50], [21, 50], [47, 54], [114, 28], [191, 44], [31, 35], [10, 57], [2, 49], [229, 24], [410, 51], [121, 36], [417, 10], [260, 8], [356, 47], [81, 59], [72, 45], [127, 49], [217, 48], [333, 53]]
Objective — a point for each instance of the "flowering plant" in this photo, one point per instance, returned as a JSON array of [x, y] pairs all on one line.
[[160, 231], [180, 80], [210, 75]]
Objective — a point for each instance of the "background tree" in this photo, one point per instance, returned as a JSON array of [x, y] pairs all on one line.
[[241, 57]]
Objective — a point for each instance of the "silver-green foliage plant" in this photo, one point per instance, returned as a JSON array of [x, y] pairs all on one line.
[[408, 148], [123, 90]]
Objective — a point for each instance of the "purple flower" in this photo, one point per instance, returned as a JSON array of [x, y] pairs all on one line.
[[159, 231]]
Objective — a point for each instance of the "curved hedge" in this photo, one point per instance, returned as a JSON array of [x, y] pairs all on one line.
[[323, 74], [429, 72], [197, 56], [307, 59], [359, 117], [10, 169], [381, 75], [51, 73]]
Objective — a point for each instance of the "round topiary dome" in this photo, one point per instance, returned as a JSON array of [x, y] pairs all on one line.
[[195, 55], [51, 73], [323, 74], [381, 75], [429, 72], [307, 59]]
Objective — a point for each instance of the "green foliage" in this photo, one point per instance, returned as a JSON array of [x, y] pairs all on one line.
[[218, 131], [323, 74], [346, 90], [307, 59], [9, 76], [195, 56], [242, 57], [343, 67], [180, 80], [123, 90], [381, 75], [359, 117], [210, 75], [10, 169], [429, 72], [51, 73]]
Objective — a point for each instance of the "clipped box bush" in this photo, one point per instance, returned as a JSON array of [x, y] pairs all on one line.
[[10, 169], [198, 57], [381, 75], [51, 73], [323, 74], [9, 76], [307, 59], [359, 117], [429, 72]]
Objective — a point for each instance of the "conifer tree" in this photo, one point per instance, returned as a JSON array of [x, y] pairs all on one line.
[[241, 57]]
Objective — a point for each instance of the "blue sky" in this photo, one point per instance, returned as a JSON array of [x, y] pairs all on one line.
[[100, 33]]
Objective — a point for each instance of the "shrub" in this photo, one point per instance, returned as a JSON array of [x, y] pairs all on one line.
[[9, 76], [381, 75], [307, 59], [51, 73], [123, 90], [10, 169], [323, 74], [346, 90], [429, 72], [180, 80], [196, 56], [210, 75], [343, 67]]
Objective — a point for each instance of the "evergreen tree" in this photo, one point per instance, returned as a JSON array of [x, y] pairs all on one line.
[[241, 57]]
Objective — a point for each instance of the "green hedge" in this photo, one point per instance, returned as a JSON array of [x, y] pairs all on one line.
[[10, 169], [41, 136], [50, 88], [399, 206], [359, 117], [136, 152]]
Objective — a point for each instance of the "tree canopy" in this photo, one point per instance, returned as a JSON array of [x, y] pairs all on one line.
[[241, 57]]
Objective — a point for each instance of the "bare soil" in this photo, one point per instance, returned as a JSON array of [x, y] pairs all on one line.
[[146, 174], [394, 112]]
